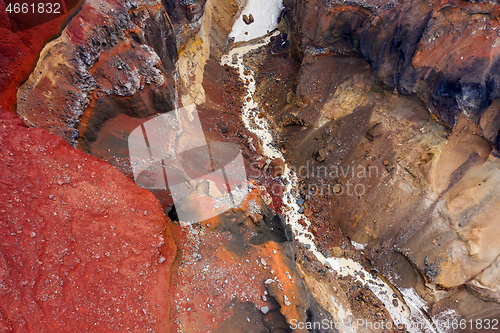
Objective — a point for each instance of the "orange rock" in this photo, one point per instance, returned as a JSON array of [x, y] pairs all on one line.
[[82, 247]]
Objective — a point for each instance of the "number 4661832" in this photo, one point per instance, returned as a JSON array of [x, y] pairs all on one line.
[[34, 8]]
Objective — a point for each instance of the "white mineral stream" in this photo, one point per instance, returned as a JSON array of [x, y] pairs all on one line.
[[409, 314]]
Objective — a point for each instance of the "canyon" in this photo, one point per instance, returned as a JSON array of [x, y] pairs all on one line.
[[369, 131]]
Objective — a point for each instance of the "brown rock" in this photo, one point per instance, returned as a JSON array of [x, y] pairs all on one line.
[[274, 322], [276, 167], [308, 212], [321, 155], [248, 19], [194, 9], [183, 13]]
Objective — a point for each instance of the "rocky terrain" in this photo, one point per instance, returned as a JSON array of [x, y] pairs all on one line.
[[369, 134], [421, 116]]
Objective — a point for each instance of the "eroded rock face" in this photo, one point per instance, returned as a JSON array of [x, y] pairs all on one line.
[[445, 52], [83, 247], [419, 197], [185, 12], [117, 57]]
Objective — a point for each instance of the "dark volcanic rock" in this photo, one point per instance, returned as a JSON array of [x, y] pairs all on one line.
[[459, 58], [444, 52], [327, 26], [184, 11]]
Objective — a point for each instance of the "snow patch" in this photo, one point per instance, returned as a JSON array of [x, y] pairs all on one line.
[[265, 14], [358, 246]]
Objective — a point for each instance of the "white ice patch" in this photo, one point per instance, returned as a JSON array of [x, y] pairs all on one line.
[[265, 14], [358, 246]]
